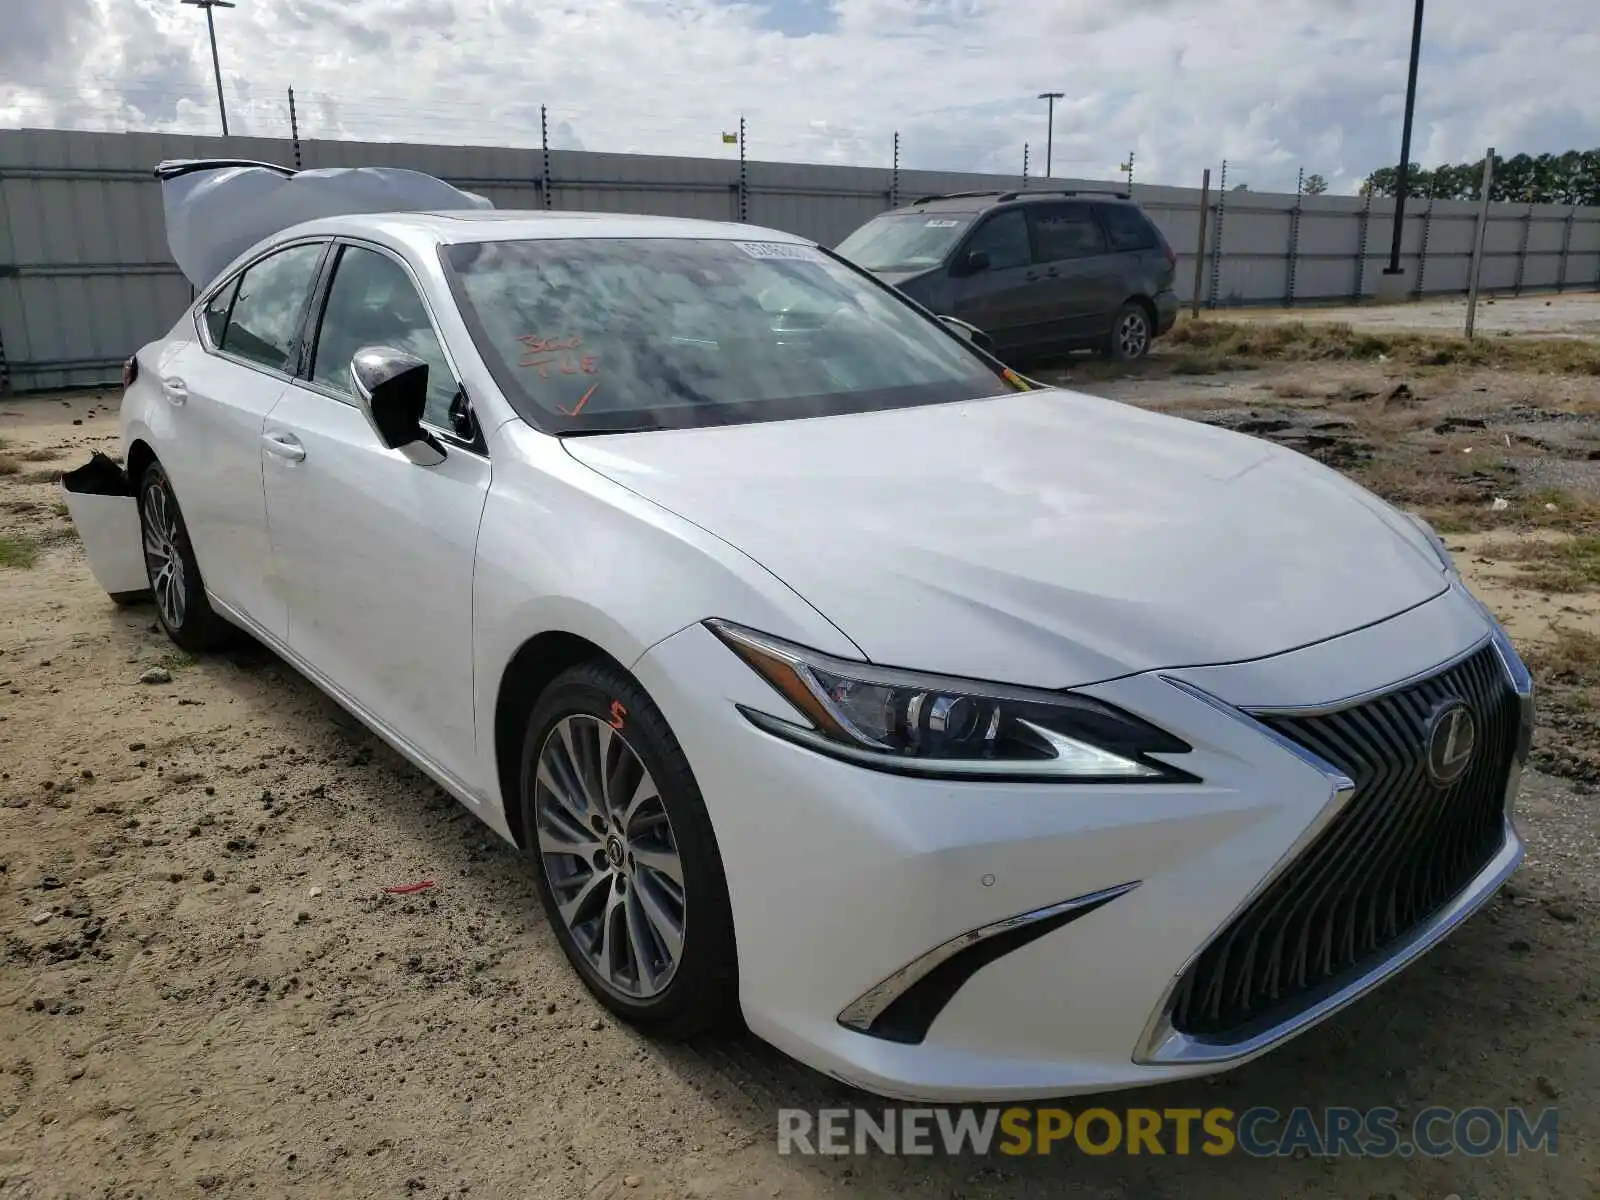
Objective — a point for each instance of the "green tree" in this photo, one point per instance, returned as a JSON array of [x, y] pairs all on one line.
[[1569, 178], [1315, 185]]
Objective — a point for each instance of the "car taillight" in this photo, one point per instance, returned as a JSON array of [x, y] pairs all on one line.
[[130, 371]]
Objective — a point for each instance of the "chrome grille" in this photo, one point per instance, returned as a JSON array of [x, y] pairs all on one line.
[[1401, 848]]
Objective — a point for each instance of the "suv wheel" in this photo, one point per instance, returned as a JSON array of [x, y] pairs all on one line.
[[1130, 333]]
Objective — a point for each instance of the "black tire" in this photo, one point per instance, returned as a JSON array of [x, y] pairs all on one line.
[[702, 993], [1131, 333], [181, 606]]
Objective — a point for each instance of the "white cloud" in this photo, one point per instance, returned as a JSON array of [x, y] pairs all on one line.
[[1270, 85]]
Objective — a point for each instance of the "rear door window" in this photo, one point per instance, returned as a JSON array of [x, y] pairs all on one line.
[[272, 298], [215, 313], [1063, 231], [1004, 238], [1126, 227]]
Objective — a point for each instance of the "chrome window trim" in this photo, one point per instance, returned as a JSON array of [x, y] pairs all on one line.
[[861, 1012], [1162, 1045]]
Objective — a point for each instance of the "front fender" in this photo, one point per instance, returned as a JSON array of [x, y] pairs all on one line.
[[563, 549]]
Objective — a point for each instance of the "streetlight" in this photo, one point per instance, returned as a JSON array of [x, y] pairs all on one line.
[[216, 65], [1403, 176], [1050, 99]]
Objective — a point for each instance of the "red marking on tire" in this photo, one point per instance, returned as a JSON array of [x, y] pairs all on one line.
[[618, 714]]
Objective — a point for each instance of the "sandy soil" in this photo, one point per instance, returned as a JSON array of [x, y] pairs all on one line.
[[1573, 314], [204, 990]]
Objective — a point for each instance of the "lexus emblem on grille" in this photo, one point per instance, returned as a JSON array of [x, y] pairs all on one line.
[[1452, 735]]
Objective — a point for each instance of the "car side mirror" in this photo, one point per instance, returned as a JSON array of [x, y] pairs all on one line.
[[969, 333], [975, 261], [392, 390]]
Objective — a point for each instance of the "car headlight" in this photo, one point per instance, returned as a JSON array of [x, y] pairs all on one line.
[[932, 725], [1436, 543]]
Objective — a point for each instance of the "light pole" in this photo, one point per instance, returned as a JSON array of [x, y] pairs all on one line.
[[216, 64], [1402, 180], [1050, 99]]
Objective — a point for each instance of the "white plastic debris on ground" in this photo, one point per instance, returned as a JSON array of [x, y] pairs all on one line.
[[216, 213]]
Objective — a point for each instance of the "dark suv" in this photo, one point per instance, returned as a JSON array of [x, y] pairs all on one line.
[[1039, 271]]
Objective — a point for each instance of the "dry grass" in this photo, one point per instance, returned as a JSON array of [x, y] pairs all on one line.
[[1206, 345], [16, 552], [1567, 669], [8, 465], [1561, 564]]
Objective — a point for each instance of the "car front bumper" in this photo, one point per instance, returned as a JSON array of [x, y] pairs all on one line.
[[845, 882]]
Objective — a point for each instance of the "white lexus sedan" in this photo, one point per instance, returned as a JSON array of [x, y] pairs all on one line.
[[969, 739]]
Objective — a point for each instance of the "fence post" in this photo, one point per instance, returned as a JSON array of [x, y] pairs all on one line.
[[294, 129], [544, 145], [1566, 248], [1200, 243], [1294, 234], [1216, 236], [894, 179], [1522, 249], [1422, 251], [1024, 166], [1361, 247], [1130, 172], [744, 178], [1477, 241]]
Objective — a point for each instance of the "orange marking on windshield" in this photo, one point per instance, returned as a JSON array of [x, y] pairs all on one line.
[[582, 400], [533, 346]]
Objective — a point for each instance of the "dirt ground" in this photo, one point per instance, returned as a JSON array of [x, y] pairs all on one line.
[[1572, 314], [204, 990]]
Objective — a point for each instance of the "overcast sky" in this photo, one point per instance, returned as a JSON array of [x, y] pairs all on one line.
[[1270, 85]]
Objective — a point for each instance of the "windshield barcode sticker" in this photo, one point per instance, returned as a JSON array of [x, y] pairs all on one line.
[[943, 224], [787, 250]]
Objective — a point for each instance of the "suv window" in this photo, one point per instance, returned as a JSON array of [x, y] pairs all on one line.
[[266, 314], [373, 303], [1064, 231], [1126, 227], [1004, 238]]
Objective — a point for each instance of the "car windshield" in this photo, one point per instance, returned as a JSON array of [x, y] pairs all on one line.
[[603, 335], [905, 241]]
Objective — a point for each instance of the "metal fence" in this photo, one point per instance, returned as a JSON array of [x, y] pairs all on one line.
[[85, 277]]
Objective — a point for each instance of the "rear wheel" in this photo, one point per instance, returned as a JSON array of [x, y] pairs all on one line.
[[1130, 333], [175, 583], [627, 864]]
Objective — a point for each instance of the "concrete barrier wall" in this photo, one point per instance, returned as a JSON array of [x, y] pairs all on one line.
[[85, 277]]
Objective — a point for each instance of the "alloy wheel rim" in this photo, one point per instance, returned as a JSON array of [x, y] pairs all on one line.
[[609, 853], [161, 557], [1133, 335]]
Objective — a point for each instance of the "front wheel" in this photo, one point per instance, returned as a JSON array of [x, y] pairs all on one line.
[[1130, 333], [627, 864], [175, 582]]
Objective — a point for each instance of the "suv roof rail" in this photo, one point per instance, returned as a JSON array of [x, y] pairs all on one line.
[[1112, 192], [951, 196]]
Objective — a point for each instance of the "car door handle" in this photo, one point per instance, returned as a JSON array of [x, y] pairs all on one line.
[[284, 445], [175, 390]]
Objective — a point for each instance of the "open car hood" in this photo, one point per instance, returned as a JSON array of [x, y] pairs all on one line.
[[216, 209]]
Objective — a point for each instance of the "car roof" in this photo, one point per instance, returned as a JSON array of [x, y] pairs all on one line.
[[494, 225], [972, 202]]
